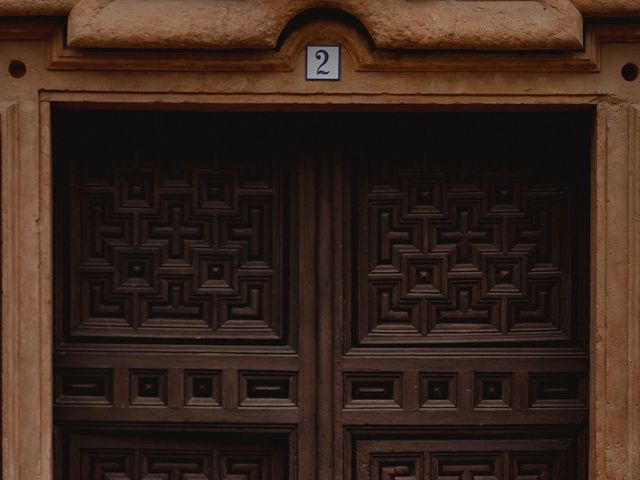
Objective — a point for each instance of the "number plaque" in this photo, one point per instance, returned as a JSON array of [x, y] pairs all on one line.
[[323, 62]]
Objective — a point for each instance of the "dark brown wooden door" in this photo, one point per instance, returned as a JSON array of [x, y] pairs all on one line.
[[359, 296]]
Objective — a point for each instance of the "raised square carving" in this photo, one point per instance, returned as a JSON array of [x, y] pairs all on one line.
[[148, 387], [493, 390], [438, 390], [202, 388]]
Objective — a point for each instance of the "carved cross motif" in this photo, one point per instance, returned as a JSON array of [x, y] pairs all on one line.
[[465, 235]]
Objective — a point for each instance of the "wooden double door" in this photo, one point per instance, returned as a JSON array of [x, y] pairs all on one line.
[[263, 296]]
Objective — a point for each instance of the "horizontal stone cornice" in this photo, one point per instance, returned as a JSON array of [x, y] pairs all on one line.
[[259, 24]]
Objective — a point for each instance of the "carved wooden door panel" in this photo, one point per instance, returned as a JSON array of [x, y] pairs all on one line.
[[177, 353], [463, 346], [348, 296]]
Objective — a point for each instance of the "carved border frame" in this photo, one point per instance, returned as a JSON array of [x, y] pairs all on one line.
[[26, 296], [563, 14], [26, 291]]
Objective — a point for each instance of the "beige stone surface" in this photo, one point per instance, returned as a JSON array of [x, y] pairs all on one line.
[[36, 7], [523, 25], [26, 305], [608, 8], [444, 24], [63, 7], [274, 80], [615, 268]]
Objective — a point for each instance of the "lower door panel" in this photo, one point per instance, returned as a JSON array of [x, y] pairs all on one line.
[[98, 454], [535, 454]]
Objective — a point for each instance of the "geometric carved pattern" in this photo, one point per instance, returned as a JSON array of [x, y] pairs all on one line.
[[83, 386], [182, 251], [493, 390], [191, 247], [557, 390], [445, 466], [268, 389], [163, 455], [116, 465], [148, 387], [468, 277], [202, 388], [362, 390], [373, 390], [534, 467], [438, 390], [244, 466], [466, 252], [176, 466], [476, 456], [396, 467]]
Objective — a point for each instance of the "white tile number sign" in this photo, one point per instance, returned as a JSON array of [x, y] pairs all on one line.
[[323, 62]]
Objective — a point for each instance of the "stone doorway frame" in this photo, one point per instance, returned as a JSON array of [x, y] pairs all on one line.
[[25, 130]]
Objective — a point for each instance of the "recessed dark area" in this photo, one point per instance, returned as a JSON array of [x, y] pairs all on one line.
[[17, 69], [630, 72]]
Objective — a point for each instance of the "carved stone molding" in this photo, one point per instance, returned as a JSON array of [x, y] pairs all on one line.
[[608, 8], [63, 7], [522, 25], [365, 57], [26, 351], [615, 350], [532, 24], [36, 7], [421, 24]]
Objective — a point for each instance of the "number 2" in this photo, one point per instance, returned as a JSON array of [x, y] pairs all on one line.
[[324, 55]]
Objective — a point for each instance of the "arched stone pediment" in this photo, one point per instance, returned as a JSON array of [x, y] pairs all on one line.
[[392, 24], [406, 24]]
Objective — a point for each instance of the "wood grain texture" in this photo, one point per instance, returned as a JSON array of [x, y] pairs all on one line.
[[189, 252], [448, 262], [428, 204], [26, 226]]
